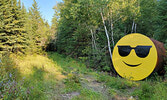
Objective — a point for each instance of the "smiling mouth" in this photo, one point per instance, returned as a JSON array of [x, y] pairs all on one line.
[[131, 65]]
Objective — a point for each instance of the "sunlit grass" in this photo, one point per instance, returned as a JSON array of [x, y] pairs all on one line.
[[27, 64], [68, 64]]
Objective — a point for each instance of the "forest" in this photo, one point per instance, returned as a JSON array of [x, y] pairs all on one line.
[[83, 24], [63, 60]]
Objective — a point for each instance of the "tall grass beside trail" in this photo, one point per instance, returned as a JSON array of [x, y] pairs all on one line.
[[41, 75], [29, 77], [67, 63], [10, 88], [36, 63]]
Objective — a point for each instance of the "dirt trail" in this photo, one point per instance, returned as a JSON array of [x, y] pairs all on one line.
[[89, 82]]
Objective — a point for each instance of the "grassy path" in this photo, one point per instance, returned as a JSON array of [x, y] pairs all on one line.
[[85, 84], [57, 77]]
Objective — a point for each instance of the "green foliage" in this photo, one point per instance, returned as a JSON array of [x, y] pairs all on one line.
[[38, 29], [165, 59], [12, 30], [161, 25], [80, 32], [77, 31], [22, 32], [146, 22]]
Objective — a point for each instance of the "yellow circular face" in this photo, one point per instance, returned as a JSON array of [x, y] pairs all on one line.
[[134, 56]]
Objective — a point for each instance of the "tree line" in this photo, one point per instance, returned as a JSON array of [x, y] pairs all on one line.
[[22, 31], [89, 29], [83, 29]]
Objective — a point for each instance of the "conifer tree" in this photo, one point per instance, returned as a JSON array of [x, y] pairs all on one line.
[[18, 28], [7, 36], [12, 30], [38, 28], [34, 16]]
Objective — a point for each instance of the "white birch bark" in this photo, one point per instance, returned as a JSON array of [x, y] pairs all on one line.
[[109, 48], [112, 33], [93, 40], [133, 26]]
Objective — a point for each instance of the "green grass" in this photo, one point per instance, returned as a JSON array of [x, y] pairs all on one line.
[[151, 90], [59, 77], [30, 63], [68, 64], [87, 94]]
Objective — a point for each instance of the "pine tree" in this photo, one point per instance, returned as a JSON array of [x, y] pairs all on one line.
[[6, 35], [53, 34], [12, 30], [1, 25], [38, 29], [18, 28], [34, 16]]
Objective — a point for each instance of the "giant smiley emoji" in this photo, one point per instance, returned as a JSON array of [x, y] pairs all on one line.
[[134, 56]]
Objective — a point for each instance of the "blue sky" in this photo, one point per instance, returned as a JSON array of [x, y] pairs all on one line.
[[45, 7]]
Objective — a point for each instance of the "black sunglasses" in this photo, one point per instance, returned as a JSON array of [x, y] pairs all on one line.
[[141, 51]]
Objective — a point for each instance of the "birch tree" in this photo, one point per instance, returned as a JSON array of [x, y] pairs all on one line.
[[108, 39]]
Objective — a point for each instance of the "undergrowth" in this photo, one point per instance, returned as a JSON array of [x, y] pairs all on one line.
[[10, 86]]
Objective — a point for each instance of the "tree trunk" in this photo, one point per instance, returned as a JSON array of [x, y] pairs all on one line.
[[112, 33], [109, 48], [93, 40], [133, 26]]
